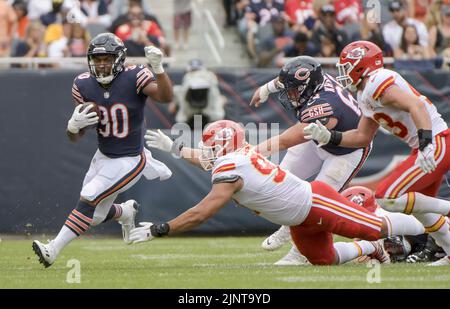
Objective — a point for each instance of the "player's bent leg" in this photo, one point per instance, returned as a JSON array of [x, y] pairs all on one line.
[[77, 223], [348, 251], [415, 202], [277, 239]]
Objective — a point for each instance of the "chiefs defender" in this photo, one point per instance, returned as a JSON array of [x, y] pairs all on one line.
[[387, 100], [310, 94], [314, 211], [120, 94]]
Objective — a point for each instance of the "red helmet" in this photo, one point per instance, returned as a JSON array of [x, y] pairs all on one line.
[[356, 61], [220, 138], [362, 196]]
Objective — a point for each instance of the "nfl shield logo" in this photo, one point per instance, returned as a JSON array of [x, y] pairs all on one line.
[[106, 95]]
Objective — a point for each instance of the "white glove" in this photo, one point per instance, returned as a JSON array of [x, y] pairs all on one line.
[[318, 132], [154, 56], [158, 140], [141, 234], [425, 159], [80, 120]]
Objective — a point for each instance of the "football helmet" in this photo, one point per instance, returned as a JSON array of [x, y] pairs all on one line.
[[301, 78], [106, 44], [220, 138], [362, 196], [357, 60]]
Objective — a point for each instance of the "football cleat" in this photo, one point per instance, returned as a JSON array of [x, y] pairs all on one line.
[[277, 239], [419, 257], [292, 258], [445, 261], [380, 253], [45, 252], [130, 209]]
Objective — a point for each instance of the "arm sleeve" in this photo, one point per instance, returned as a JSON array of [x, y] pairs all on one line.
[[76, 94], [318, 110], [143, 77]]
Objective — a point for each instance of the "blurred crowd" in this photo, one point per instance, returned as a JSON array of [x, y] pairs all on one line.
[[405, 29], [63, 28], [271, 30]]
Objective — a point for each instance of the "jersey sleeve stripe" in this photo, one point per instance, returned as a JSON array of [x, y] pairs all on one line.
[[144, 83], [77, 98], [384, 85], [223, 168]]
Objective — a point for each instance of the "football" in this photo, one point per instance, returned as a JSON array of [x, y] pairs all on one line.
[[93, 109]]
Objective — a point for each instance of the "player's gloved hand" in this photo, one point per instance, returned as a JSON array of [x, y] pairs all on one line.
[[262, 93], [157, 139], [318, 132], [154, 57], [425, 159], [80, 120], [141, 234]]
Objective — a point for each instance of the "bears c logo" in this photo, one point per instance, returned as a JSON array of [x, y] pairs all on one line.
[[302, 74]]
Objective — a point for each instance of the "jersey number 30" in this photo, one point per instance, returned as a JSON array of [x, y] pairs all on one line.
[[114, 121]]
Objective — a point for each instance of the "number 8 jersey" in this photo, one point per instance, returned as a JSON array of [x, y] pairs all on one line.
[[396, 121], [121, 126]]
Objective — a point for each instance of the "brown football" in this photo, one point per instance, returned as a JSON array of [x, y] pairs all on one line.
[[93, 109]]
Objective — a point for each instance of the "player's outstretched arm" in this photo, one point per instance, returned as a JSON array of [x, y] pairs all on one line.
[[79, 121], [217, 198], [262, 93], [162, 90], [157, 139], [291, 137]]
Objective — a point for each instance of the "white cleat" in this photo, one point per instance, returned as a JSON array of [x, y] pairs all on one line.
[[380, 252], [45, 252], [292, 258], [445, 261], [130, 209], [277, 239]]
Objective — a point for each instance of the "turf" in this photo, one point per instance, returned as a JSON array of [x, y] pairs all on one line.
[[223, 262]]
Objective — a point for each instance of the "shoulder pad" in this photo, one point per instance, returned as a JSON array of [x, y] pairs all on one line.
[[378, 83]]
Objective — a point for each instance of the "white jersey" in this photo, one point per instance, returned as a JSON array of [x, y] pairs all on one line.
[[394, 120], [273, 193]]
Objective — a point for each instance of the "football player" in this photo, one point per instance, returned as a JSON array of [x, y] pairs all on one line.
[[120, 93], [314, 211], [412, 249], [389, 101], [311, 95]]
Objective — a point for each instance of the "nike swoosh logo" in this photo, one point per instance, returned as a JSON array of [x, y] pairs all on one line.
[[320, 221]]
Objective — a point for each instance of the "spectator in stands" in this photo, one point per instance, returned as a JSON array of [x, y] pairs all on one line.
[[393, 30], [349, 15], [33, 43], [271, 48], [56, 40], [181, 21], [55, 16], [120, 7], [78, 40], [229, 7], [371, 31], [8, 26], [410, 49], [300, 47], [258, 14], [440, 34], [301, 15], [37, 8], [199, 94], [96, 12], [20, 8], [138, 33], [328, 38], [418, 9], [124, 19]]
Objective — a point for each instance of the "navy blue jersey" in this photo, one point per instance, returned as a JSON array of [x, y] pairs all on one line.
[[120, 129], [332, 101]]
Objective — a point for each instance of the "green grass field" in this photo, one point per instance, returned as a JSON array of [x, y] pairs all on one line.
[[223, 262]]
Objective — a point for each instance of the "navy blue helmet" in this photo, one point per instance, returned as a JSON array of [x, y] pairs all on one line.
[[106, 44], [301, 78]]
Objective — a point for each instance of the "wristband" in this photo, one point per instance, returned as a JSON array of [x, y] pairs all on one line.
[[159, 230], [425, 138], [335, 138], [272, 86]]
